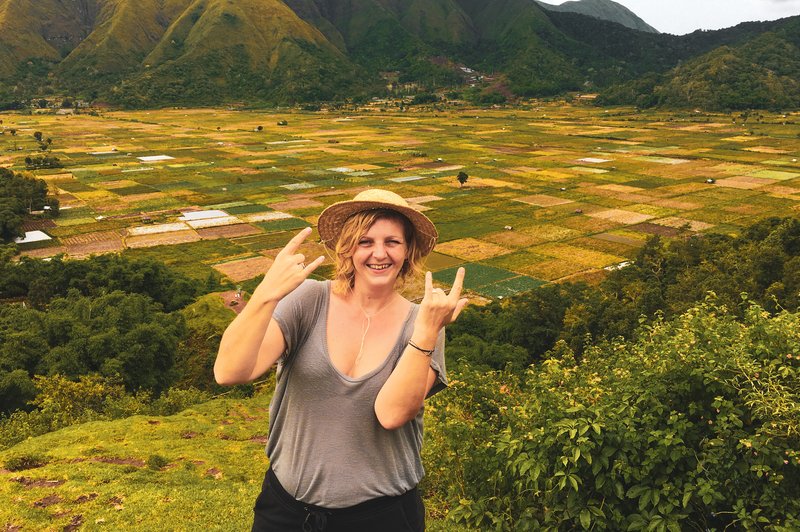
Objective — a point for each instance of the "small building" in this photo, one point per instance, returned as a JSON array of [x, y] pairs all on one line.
[[33, 236]]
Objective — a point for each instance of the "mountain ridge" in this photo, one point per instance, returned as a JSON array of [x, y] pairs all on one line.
[[200, 52], [604, 10]]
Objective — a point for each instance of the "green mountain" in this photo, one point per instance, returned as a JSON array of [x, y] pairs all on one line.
[[517, 38], [604, 10], [46, 30], [198, 52], [757, 72], [163, 51]]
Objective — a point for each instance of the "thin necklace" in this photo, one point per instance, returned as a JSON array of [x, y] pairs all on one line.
[[366, 330]]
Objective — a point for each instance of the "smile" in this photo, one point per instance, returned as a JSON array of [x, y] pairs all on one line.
[[378, 267]]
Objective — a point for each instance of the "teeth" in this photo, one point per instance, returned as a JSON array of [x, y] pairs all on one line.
[[378, 266]]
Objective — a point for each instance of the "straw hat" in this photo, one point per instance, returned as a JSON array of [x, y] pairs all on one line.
[[332, 218]]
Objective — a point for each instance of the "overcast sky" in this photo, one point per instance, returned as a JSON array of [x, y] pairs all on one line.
[[685, 16]]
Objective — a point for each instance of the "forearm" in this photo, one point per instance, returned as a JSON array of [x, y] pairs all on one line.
[[241, 343], [403, 394]]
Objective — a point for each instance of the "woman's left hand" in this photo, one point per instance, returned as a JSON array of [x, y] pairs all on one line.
[[439, 308]]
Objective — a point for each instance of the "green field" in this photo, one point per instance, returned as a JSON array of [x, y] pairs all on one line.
[[555, 191]]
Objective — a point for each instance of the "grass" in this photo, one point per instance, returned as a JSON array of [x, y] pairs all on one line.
[[202, 467]]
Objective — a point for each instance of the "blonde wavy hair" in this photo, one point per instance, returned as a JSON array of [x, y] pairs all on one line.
[[354, 228]]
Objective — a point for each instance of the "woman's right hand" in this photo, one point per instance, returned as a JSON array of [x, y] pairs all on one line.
[[288, 270]]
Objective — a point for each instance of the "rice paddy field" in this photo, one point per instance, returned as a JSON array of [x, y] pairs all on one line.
[[555, 191]]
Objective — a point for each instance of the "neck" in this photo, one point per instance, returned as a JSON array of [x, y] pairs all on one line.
[[372, 301]]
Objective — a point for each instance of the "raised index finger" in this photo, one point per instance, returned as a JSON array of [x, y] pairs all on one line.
[[294, 244], [458, 284]]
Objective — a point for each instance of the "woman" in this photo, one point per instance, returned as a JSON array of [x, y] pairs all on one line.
[[355, 361]]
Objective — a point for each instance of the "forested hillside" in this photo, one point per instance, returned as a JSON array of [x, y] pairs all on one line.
[[160, 53], [759, 72]]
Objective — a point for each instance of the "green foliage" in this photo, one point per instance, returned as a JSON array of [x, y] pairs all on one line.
[[44, 280], [68, 399], [20, 194], [206, 320], [695, 425], [424, 98], [117, 335], [532, 321], [63, 402], [34, 162], [25, 461], [760, 73], [157, 462], [206, 53], [666, 278]]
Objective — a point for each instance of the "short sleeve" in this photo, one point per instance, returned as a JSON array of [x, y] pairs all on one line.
[[296, 313], [438, 365]]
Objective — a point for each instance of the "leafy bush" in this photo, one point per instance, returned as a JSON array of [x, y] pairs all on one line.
[[696, 425], [25, 461], [424, 98], [62, 402], [156, 462]]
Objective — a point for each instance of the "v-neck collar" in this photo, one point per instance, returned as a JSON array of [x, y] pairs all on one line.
[[327, 354]]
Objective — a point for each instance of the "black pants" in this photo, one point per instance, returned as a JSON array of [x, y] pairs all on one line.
[[277, 511]]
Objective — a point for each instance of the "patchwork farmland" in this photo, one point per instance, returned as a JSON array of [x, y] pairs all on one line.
[[554, 192]]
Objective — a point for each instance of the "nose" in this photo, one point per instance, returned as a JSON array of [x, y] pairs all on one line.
[[379, 250]]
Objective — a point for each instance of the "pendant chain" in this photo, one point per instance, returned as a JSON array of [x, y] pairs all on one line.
[[366, 330]]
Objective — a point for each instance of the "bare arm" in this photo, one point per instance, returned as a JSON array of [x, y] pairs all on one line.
[[405, 390], [253, 341]]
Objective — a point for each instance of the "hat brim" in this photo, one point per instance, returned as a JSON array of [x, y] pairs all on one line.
[[332, 220]]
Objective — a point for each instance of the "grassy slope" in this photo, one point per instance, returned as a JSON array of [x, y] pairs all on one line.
[[524, 44], [761, 72], [215, 455], [20, 33], [309, 11], [218, 50], [440, 21], [216, 462], [605, 10], [261, 28], [125, 33]]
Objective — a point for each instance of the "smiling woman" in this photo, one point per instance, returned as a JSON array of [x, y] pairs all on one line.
[[355, 360]]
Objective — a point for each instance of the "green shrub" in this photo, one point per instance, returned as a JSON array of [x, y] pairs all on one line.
[[63, 402], [696, 425], [156, 462], [175, 400], [25, 461]]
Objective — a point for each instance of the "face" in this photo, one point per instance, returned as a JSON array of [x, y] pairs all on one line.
[[380, 253]]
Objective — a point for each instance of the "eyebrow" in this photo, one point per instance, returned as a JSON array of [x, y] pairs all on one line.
[[390, 237]]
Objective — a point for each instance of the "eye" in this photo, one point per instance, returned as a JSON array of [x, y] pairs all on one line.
[[364, 242]]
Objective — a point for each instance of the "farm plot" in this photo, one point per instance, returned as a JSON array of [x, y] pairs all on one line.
[[543, 189], [244, 269], [471, 249], [486, 280]]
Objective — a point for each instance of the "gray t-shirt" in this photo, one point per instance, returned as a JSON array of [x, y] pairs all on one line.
[[325, 444]]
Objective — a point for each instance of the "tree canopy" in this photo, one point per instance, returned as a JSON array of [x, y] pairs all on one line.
[[20, 194]]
